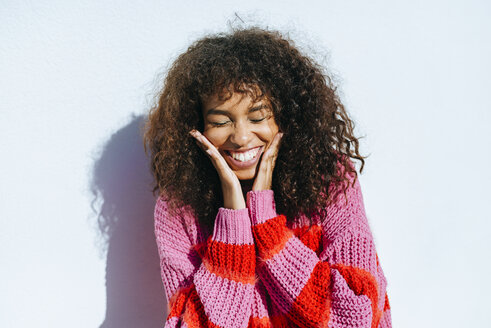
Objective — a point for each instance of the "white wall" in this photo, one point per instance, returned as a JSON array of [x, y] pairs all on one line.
[[77, 77]]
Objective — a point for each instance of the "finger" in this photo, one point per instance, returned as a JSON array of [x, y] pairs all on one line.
[[215, 156], [276, 141], [272, 151], [218, 161], [203, 140], [276, 145], [269, 157], [202, 147]]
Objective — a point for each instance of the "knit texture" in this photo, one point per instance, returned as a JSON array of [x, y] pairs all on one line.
[[258, 270]]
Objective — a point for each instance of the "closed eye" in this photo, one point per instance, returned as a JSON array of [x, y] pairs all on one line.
[[223, 123], [218, 123]]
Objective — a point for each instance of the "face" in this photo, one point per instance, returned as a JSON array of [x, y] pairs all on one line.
[[240, 130]]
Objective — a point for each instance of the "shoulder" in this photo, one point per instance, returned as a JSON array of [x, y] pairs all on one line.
[[344, 211], [174, 223]]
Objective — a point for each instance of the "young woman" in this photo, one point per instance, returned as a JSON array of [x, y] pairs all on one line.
[[260, 220]]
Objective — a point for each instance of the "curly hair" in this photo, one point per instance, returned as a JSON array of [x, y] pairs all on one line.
[[318, 134]]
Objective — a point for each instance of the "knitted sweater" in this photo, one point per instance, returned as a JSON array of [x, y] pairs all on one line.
[[258, 270]]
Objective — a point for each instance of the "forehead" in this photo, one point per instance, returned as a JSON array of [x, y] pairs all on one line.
[[229, 100]]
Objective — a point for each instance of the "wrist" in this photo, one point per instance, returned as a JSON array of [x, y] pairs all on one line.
[[261, 205], [234, 204], [233, 198], [233, 227]]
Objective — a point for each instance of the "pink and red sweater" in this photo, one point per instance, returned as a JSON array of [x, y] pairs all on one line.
[[258, 270]]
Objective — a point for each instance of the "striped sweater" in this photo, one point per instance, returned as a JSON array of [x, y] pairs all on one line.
[[259, 270]]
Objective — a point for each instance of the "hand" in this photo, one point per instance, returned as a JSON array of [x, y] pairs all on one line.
[[264, 176], [231, 188]]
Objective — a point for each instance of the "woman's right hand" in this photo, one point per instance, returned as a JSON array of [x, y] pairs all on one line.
[[233, 197]]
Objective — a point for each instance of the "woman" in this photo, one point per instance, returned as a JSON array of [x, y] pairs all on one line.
[[260, 219]]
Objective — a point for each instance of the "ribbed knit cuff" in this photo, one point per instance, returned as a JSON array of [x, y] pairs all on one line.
[[233, 226], [261, 205]]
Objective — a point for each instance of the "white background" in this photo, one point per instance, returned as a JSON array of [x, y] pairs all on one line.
[[76, 79]]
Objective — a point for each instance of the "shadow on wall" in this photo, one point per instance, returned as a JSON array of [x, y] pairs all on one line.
[[123, 204]]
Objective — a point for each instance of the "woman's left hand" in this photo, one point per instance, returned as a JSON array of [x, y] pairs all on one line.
[[264, 176]]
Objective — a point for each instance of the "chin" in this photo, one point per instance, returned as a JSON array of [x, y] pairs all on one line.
[[246, 175]]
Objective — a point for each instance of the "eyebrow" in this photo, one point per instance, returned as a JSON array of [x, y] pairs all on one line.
[[215, 111]]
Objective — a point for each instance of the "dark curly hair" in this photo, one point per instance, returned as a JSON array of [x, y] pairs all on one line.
[[318, 134]]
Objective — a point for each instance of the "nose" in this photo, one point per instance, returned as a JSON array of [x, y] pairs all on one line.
[[241, 134]]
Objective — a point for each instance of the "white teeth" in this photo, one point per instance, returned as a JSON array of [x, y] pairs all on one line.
[[247, 156]]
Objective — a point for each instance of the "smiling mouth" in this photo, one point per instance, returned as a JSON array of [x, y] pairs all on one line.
[[243, 160], [245, 156]]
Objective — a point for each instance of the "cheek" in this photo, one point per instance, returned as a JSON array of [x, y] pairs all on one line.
[[216, 137], [272, 130]]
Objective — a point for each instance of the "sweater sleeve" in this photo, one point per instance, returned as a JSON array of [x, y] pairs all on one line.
[[343, 287], [210, 286]]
